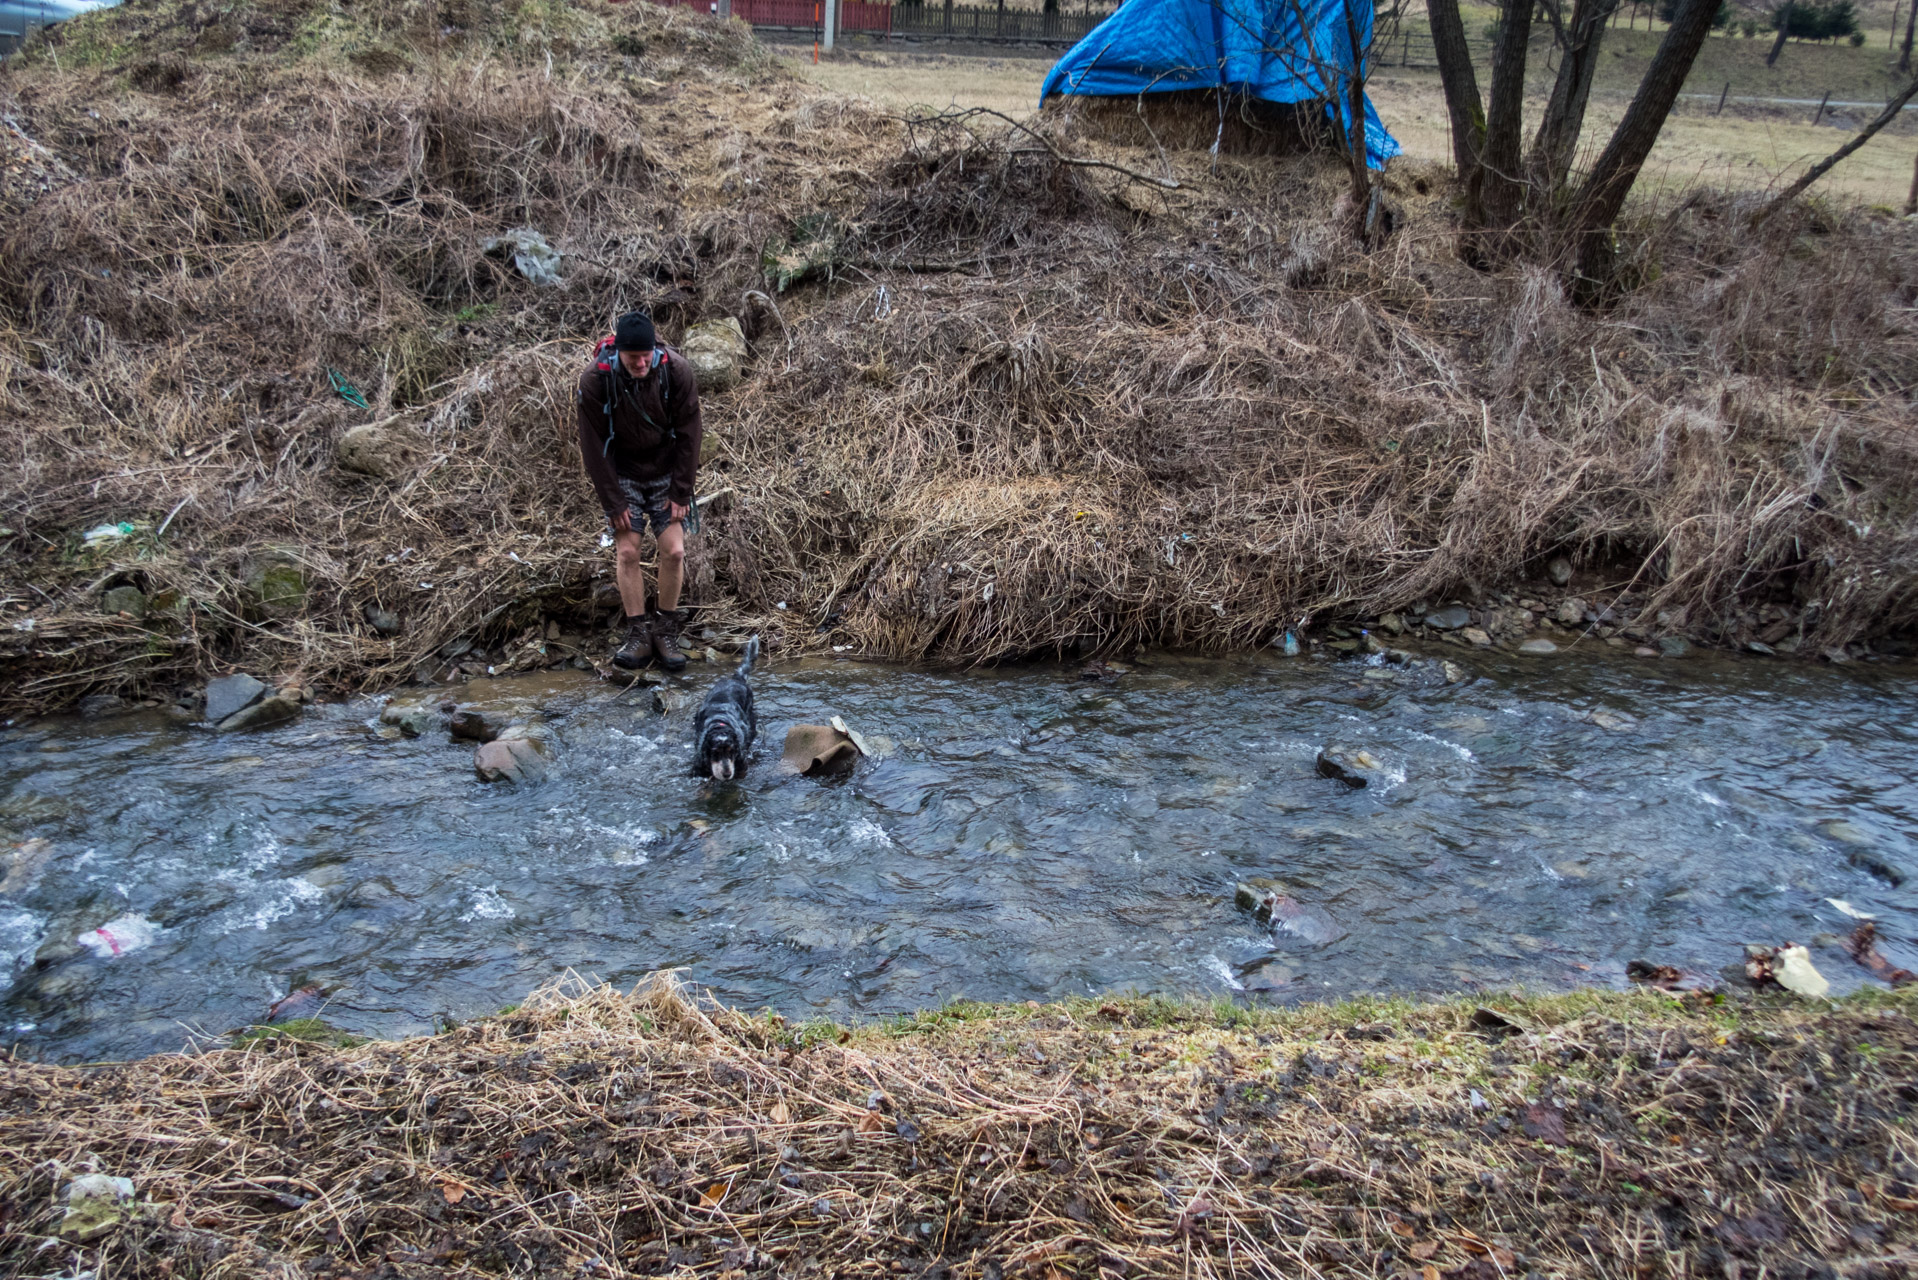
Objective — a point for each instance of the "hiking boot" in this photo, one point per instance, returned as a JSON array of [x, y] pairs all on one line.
[[638, 649], [666, 640]]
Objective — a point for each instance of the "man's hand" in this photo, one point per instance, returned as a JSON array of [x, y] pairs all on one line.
[[675, 512], [623, 521]]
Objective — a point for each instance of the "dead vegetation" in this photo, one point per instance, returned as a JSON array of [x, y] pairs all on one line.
[[588, 1133], [1002, 406]]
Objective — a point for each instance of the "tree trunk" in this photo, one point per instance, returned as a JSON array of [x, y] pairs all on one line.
[[1819, 170], [1499, 198], [1557, 139], [1784, 29], [1460, 79], [1911, 201], [1904, 56], [1611, 179], [1355, 108]]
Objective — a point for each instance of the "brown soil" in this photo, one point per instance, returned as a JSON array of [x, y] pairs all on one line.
[[1005, 406], [590, 1134]]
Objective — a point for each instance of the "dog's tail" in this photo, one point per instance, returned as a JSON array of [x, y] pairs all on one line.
[[750, 656]]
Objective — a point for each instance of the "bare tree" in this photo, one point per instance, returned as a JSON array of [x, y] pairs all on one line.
[[1783, 17], [1610, 181], [1557, 138], [1823, 167], [1904, 56], [1509, 206], [1460, 80]]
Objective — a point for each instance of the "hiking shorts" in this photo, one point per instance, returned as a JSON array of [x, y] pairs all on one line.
[[646, 502]]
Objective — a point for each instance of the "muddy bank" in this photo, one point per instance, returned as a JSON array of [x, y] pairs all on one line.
[[587, 1133], [992, 405]]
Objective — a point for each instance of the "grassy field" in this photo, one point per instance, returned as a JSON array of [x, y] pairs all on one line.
[[1749, 146]]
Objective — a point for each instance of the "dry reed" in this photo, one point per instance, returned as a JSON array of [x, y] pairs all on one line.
[[589, 1133], [1014, 407]]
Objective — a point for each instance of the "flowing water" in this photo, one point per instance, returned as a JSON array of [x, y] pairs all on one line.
[[1019, 833]]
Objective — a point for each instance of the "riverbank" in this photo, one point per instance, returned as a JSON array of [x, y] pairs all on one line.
[[993, 405], [590, 1133]]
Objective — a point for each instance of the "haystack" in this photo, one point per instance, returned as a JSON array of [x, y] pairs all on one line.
[[1242, 77]]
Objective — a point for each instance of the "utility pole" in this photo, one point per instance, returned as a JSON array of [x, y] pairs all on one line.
[[832, 22]]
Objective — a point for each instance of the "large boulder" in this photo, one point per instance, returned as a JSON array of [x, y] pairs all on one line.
[[385, 450], [717, 351]]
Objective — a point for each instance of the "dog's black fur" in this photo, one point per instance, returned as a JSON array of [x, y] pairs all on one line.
[[725, 726]]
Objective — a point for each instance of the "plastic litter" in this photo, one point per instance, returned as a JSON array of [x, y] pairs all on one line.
[[532, 256], [102, 535], [96, 1203], [1289, 645], [347, 391], [120, 935]]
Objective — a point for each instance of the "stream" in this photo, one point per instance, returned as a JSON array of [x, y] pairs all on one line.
[[1018, 833]]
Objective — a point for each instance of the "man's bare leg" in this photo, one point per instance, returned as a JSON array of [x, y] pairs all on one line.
[[630, 573], [672, 565]]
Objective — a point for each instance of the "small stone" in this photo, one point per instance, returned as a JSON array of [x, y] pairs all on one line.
[[410, 718], [1571, 613], [388, 732], [509, 760], [473, 726], [711, 654], [1673, 646], [1559, 571], [1836, 654], [1450, 619], [267, 711], [1454, 673], [130, 600], [1391, 624], [1477, 638], [1538, 646], [1611, 720], [1759, 646], [669, 701], [384, 621], [101, 706], [229, 694], [1644, 651]]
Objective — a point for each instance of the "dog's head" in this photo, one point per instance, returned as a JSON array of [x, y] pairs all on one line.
[[719, 748]]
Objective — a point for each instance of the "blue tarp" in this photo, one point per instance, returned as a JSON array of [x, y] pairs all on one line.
[[1280, 50]]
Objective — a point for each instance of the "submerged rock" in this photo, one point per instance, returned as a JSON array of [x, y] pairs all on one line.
[[509, 760], [1349, 765], [1538, 646], [231, 693], [1673, 646], [1290, 919], [410, 718], [473, 726]]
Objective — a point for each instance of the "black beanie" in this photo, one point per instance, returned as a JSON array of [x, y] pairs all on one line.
[[634, 332]]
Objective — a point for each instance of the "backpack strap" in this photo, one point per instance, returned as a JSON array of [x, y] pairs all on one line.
[[606, 360]]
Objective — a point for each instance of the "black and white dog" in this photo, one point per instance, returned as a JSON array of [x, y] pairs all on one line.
[[725, 725]]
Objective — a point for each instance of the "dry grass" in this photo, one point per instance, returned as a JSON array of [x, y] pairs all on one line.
[[1019, 408], [592, 1134]]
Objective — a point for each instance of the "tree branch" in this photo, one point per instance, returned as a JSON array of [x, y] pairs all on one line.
[[960, 117], [1819, 170]]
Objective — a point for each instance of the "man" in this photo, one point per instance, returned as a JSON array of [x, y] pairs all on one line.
[[641, 457]]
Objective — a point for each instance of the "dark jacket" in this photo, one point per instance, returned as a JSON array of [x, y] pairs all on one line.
[[639, 447]]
